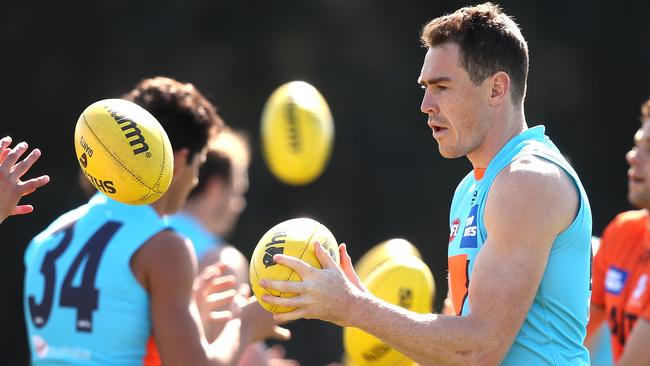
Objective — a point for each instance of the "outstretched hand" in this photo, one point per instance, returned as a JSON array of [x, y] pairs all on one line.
[[326, 294], [11, 187], [214, 294]]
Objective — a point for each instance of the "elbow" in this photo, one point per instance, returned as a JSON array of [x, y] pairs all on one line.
[[486, 351]]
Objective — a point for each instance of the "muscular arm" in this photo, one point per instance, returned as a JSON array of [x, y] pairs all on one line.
[[505, 278], [509, 266], [166, 267]]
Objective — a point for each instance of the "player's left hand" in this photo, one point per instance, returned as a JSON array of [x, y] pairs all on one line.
[[326, 294]]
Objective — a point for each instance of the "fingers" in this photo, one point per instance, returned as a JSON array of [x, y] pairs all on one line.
[[296, 314], [323, 257], [4, 148], [348, 268], [280, 333], [13, 156], [287, 302], [220, 300], [21, 168], [23, 209], [5, 142], [301, 267], [221, 316], [295, 287], [31, 185]]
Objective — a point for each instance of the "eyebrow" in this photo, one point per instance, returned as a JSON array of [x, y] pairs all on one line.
[[432, 81]]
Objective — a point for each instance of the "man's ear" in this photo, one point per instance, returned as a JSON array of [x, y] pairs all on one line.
[[500, 88], [180, 159]]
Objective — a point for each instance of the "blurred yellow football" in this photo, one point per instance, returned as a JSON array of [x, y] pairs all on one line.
[[296, 238], [403, 280], [379, 253], [297, 133], [124, 151]]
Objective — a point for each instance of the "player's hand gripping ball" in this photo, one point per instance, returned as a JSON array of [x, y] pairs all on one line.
[[296, 238], [124, 151], [297, 133]]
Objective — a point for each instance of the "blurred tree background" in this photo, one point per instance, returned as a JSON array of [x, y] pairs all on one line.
[[589, 72]]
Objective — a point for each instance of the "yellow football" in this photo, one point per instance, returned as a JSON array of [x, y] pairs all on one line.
[[296, 238], [403, 280], [297, 133], [124, 151]]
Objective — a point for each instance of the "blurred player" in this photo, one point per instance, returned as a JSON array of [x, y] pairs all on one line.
[[621, 293], [12, 189], [209, 215], [519, 247], [105, 276], [599, 345]]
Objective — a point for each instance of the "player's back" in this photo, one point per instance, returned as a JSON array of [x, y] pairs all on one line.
[[83, 304]]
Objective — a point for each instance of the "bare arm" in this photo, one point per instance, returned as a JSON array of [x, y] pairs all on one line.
[[509, 266], [12, 189], [637, 350], [166, 267]]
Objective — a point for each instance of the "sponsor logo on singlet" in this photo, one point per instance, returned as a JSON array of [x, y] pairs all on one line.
[[615, 280], [470, 230]]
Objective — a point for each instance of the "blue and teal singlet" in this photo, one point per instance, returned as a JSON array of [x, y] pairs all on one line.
[[202, 239], [555, 326], [83, 304]]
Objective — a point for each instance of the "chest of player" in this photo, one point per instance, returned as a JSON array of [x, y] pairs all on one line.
[[466, 237], [627, 287]]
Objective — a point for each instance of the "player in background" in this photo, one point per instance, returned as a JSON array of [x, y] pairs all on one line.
[[599, 345], [103, 278], [621, 270], [12, 189], [519, 249], [208, 218]]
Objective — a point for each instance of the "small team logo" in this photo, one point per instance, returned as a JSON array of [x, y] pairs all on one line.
[[268, 255], [615, 280], [84, 160], [470, 230], [271, 248], [40, 346], [453, 230]]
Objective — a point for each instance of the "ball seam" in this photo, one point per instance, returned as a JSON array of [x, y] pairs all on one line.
[[135, 177]]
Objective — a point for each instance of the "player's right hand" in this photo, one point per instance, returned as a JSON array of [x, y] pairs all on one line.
[[11, 187], [215, 296], [258, 324]]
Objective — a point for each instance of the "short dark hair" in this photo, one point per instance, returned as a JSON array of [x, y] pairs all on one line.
[[489, 41], [645, 111], [186, 115]]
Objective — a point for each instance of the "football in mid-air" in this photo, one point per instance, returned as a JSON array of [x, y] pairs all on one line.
[[124, 151], [297, 133], [296, 238]]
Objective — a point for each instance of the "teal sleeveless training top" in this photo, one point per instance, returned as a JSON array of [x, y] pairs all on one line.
[[202, 239], [555, 326], [83, 304]]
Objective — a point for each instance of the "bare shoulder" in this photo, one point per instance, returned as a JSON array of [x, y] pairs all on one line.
[[166, 256], [535, 189]]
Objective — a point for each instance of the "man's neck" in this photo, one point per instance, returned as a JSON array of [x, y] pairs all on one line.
[[498, 136]]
